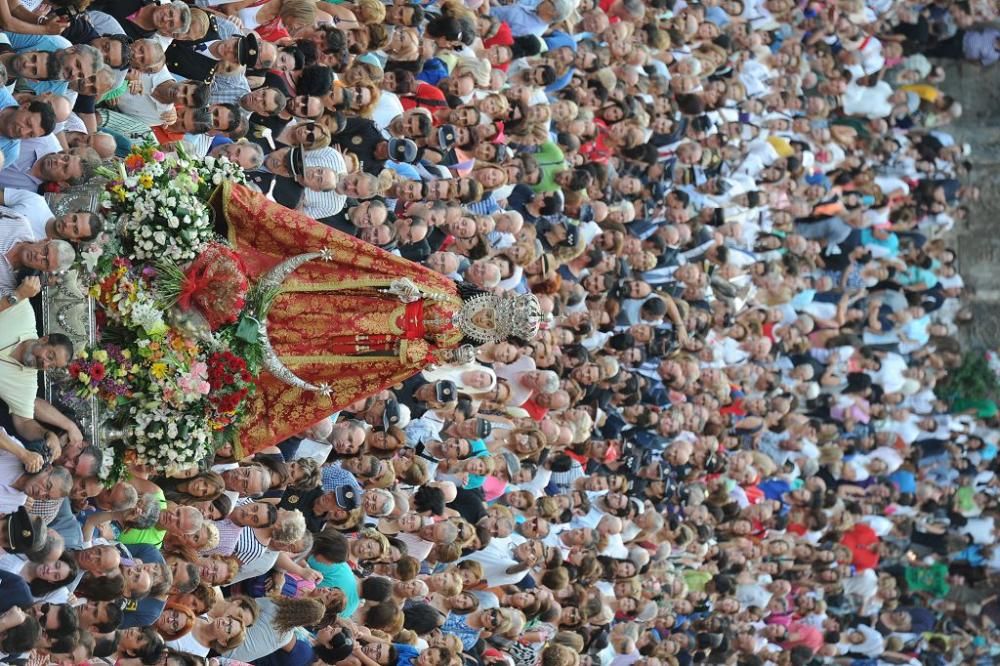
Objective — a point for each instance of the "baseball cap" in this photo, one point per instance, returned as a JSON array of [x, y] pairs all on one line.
[[347, 498], [402, 150], [445, 391], [572, 235], [390, 416], [483, 428], [512, 463], [446, 137]]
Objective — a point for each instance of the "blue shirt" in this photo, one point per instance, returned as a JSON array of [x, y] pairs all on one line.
[[456, 624], [521, 21], [10, 147], [334, 476], [302, 653], [406, 654]]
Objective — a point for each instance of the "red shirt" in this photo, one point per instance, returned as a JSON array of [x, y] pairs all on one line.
[[534, 410], [800, 633], [504, 37], [863, 543], [426, 97]]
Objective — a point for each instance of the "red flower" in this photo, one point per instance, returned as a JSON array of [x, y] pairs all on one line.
[[75, 368], [97, 371]]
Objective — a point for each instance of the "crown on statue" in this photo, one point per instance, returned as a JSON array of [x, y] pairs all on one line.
[[514, 315]]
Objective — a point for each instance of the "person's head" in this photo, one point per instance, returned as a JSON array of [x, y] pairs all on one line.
[[147, 55], [22, 637], [52, 483], [100, 616], [250, 480], [116, 51], [254, 514], [76, 227], [175, 621], [191, 94], [172, 19], [28, 120], [264, 101], [347, 438], [248, 155], [98, 560], [53, 575], [142, 643], [305, 106]]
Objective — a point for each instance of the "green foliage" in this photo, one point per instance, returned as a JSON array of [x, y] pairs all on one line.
[[972, 380]]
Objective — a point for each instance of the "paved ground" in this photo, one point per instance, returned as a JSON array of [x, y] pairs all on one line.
[[978, 239]]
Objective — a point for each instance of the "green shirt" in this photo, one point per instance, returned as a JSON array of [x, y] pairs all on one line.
[[551, 161], [341, 577], [152, 535], [932, 579]]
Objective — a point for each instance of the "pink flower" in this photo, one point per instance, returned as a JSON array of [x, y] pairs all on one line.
[[159, 156]]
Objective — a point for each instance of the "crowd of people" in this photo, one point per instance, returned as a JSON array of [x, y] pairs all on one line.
[[724, 447]]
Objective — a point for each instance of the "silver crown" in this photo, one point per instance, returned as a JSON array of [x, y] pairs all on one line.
[[514, 315]]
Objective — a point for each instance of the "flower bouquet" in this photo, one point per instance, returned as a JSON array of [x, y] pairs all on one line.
[[160, 203], [169, 440], [107, 374], [215, 285]]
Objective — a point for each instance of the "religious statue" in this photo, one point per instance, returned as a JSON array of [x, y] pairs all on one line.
[[349, 319]]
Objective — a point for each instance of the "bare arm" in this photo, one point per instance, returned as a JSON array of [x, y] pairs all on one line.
[[32, 461], [46, 413]]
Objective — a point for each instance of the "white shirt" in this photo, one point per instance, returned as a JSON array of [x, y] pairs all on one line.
[[310, 448], [386, 109], [30, 205], [11, 469], [187, 643], [142, 106]]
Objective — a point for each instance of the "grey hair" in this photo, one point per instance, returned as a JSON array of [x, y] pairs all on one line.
[[562, 9], [91, 52], [258, 152], [290, 529], [185, 15], [91, 450], [149, 512], [390, 501], [54, 543], [131, 498], [551, 381], [65, 254], [62, 481]]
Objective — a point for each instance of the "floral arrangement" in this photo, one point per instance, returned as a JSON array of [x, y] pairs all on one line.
[[170, 387], [230, 383], [104, 373], [169, 440], [160, 202], [215, 285]]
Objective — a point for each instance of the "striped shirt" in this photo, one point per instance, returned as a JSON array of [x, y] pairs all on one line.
[[14, 228], [248, 547]]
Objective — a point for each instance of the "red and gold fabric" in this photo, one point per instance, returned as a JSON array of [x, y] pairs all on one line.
[[331, 324]]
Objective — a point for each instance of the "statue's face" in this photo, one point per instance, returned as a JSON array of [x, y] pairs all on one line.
[[485, 318]]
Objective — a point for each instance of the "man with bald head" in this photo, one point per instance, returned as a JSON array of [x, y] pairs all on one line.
[[102, 142]]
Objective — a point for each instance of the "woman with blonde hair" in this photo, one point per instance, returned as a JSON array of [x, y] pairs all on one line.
[[273, 19]]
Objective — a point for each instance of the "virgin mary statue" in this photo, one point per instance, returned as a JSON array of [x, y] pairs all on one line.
[[349, 319]]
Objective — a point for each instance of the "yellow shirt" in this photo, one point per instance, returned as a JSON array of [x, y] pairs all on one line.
[[923, 91], [18, 384]]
